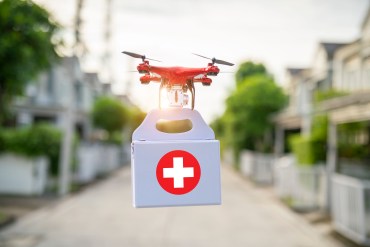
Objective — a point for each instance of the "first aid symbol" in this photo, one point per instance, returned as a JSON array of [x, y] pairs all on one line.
[[178, 172]]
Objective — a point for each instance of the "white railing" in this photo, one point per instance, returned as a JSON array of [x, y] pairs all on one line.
[[257, 166], [96, 159], [22, 175], [228, 158], [310, 187], [283, 176], [263, 168], [351, 207], [304, 187], [246, 161]]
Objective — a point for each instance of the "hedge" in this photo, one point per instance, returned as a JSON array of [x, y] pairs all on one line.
[[37, 140]]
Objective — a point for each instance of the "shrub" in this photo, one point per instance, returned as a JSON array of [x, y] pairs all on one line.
[[352, 141], [311, 149], [321, 96], [37, 140]]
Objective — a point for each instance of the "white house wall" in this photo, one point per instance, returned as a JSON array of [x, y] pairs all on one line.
[[320, 64], [51, 101], [352, 75], [365, 32]]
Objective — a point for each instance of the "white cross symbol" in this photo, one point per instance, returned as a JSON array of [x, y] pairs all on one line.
[[178, 172]]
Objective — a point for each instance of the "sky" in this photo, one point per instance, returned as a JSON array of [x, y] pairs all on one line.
[[278, 33]]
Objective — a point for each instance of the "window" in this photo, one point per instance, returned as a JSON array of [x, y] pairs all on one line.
[[78, 93]]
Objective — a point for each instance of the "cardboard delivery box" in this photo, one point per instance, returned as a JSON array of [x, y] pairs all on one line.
[[175, 169]]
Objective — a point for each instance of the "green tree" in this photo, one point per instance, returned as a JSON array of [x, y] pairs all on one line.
[[110, 114], [136, 118], [26, 46], [248, 69], [251, 106]]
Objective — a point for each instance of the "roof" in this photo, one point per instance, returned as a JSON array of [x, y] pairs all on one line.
[[92, 77], [343, 101], [295, 71], [366, 18], [330, 48]]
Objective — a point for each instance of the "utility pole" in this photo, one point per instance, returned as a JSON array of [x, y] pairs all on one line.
[[128, 83], [69, 119], [79, 46], [106, 59]]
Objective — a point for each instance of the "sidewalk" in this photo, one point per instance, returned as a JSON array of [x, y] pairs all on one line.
[[103, 216]]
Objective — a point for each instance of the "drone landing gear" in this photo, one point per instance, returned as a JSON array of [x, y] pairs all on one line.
[[192, 91]]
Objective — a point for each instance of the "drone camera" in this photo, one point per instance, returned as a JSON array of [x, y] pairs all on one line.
[[177, 97]]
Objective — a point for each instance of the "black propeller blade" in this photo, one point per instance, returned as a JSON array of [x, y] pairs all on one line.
[[214, 60], [135, 55]]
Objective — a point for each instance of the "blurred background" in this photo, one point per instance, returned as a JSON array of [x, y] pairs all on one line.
[[292, 115]]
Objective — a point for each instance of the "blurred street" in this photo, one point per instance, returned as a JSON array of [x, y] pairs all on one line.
[[280, 92], [102, 215]]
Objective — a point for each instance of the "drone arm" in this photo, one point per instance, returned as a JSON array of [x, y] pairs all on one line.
[[204, 80], [145, 79]]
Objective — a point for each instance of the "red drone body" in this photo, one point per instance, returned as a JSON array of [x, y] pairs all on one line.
[[177, 80], [176, 75]]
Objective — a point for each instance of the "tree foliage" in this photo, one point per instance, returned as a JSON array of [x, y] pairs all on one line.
[[248, 69], [137, 117], [26, 46], [110, 114], [246, 122], [252, 104]]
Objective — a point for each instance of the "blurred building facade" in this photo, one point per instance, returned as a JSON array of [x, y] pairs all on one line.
[[335, 66], [64, 85], [343, 72]]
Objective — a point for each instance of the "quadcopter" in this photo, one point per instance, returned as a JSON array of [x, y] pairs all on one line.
[[177, 80]]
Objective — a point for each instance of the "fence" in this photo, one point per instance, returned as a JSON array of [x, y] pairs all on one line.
[[351, 207], [228, 157], [304, 188], [22, 175], [97, 159], [284, 176], [257, 166], [246, 163]]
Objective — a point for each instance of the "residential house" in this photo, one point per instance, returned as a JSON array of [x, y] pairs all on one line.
[[345, 68], [63, 86], [303, 83]]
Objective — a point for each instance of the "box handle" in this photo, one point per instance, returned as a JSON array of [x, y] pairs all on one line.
[[147, 131]]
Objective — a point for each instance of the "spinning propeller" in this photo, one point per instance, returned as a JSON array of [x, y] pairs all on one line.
[[214, 60], [135, 55]]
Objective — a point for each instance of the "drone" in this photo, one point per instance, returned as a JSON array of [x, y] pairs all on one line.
[[177, 80]]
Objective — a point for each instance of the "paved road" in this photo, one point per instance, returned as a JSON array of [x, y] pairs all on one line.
[[103, 216]]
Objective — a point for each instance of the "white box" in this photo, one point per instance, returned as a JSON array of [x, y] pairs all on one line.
[[180, 169]]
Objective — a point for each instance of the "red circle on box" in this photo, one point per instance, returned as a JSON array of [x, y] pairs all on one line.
[[178, 172]]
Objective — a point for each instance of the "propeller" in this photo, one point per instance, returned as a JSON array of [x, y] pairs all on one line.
[[214, 60], [135, 55]]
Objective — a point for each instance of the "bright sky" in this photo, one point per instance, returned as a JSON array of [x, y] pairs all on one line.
[[279, 33]]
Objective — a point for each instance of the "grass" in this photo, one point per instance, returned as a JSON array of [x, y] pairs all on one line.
[[3, 217], [288, 201]]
